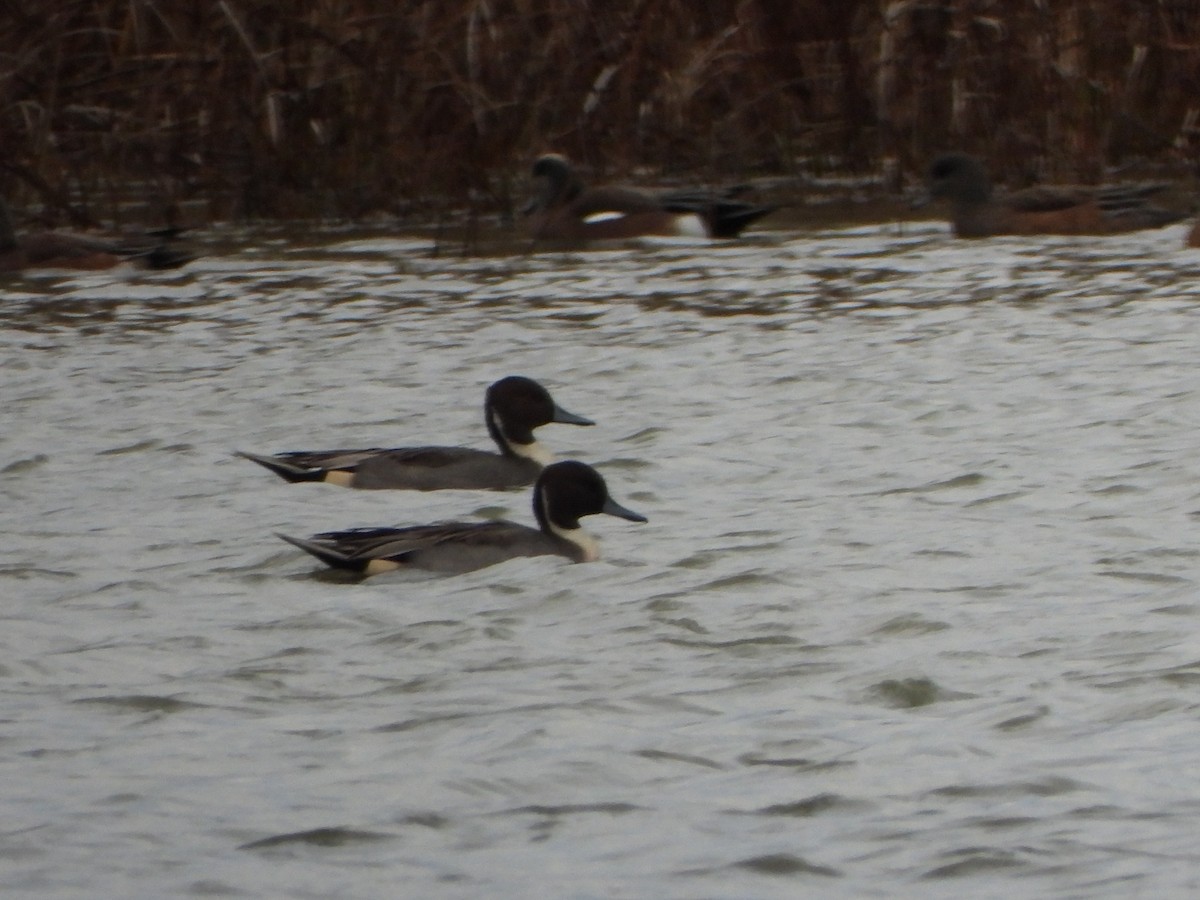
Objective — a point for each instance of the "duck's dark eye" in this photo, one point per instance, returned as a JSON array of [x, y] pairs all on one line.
[[547, 167], [942, 168]]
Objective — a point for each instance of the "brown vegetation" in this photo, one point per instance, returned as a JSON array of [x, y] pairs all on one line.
[[343, 107]]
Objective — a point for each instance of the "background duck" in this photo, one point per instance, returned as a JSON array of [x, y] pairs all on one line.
[[976, 211], [564, 493], [564, 209], [62, 250], [513, 407]]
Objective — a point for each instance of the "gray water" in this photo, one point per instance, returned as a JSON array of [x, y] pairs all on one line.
[[915, 614]]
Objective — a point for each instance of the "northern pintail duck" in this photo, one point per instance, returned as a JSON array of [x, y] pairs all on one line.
[[564, 209], [513, 407], [62, 250], [1052, 209], [564, 493]]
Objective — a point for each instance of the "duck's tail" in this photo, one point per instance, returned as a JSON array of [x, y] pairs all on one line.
[[155, 250], [729, 218], [1130, 203], [327, 554], [288, 471], [725, 216]]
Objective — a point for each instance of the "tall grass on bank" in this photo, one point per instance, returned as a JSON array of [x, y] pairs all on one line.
[[263, 108]]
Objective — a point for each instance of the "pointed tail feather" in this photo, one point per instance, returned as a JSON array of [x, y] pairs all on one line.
[[165, 257], [154, 251], [1129, 201], [331, 556], [725, 217], [729, 219], [287, 471]]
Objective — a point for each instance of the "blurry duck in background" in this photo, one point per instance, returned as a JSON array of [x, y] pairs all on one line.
[[564, 209], [63, 250], [513, 407], [977, 211]]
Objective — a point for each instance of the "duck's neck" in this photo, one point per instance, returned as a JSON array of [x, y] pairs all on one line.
[[588, 547], [532, 451], [585, 548]]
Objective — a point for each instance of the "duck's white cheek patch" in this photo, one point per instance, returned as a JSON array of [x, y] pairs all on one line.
[[603, 217], [379, 566], [340, 477]]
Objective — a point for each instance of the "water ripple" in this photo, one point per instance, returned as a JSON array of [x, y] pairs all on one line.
[[914, 614]]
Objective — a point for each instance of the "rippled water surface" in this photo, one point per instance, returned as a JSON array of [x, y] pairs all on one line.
[[915, 614]]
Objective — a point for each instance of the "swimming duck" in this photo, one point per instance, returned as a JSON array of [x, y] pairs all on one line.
[[564, 209], [62, 250], [1050, 209], [564, 493], [513, 407]]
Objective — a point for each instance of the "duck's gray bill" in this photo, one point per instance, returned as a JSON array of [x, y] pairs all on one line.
[[613, 508], [569, 418]]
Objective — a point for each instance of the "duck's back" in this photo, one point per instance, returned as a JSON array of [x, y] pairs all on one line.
[[61, 250], [443, 468], [448, 547]]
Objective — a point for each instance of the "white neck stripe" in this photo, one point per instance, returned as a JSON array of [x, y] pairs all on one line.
[[588, 545], [581, 539], [534, 451]]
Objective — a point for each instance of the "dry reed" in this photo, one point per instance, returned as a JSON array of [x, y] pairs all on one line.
[[346, 107]]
